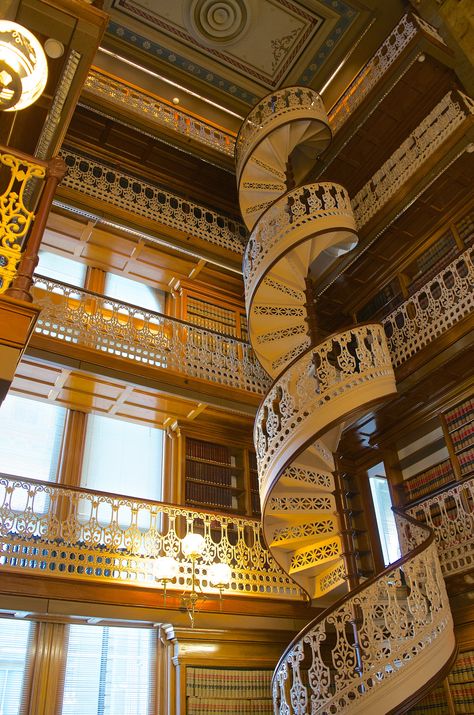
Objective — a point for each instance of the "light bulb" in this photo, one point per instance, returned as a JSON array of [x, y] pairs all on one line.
[[166, 568], [23, 67], [193, 545], [219, 575]]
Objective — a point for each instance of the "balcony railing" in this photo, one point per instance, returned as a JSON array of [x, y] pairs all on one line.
[[74, 533], [451, 516], [94, 321], [431, 311]]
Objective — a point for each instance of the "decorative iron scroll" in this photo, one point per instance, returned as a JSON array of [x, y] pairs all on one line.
[[127, 192], [71, 533], [127, 331], [15, 217], [432, 310], [451, 516], [370, 638]]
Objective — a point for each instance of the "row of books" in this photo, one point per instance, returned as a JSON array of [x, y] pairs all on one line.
[[225, 706], [434, 252], [384, 298], [466, 461], [463, 669], [465, 228], [429, 480], [463, 437], [435, 703], [460, 415], [227, 682], [463, 697], [420, 280], [212, 452], [210, 473], [206, 495]]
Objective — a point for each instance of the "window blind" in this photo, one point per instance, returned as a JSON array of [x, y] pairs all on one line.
[[109, 671], [133, 292], [384, 516], [61, 268], [30, 438], [16, 639]]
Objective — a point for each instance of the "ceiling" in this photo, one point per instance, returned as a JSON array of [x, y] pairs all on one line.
[[236, 51]]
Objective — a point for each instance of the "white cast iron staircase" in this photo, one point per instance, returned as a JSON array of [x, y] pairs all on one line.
[[319, 385]]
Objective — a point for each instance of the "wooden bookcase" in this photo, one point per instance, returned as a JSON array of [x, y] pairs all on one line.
[[455, 695], [458, 429], [212, 310], [220, 476], [436, 252]]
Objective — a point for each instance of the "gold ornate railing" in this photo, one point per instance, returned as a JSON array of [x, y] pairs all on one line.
[[395, 627], [16, 214], [27, 187], [431, 311], [450, 514], [106, 325], [74, 533]]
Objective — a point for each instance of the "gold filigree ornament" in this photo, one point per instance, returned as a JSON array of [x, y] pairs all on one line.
[[15, 218]]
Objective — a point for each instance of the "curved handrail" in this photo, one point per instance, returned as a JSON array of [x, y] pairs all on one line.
[[339, 616]]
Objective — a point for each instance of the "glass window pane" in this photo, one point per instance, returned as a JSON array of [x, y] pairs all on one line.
[[61, 268], [385, 518], [123, 457], [108, 671], [14, 646], [134, 292], [38, 428]]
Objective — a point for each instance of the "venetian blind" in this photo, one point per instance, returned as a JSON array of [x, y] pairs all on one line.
[[109, 671], [30, 438], [16, 639], [61, 268], [134, 292]]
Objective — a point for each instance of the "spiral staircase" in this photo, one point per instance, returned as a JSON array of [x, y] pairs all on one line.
[[375, 647]]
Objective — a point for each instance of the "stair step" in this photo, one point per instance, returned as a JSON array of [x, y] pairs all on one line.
[[314, 556], [297, 535]]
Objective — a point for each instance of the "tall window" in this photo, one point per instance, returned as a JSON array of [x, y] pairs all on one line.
[[15, 638], [109, 671], [383, 513], [123, 457], [61, 268], [133, 292], [30, 438]]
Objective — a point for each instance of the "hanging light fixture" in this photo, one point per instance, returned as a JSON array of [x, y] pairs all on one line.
[[166, 570], [23, 67]]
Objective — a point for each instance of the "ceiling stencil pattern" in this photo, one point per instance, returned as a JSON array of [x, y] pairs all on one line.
[[197, 36]]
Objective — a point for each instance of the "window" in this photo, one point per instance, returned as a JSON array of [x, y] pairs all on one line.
[[384, 515], [61, 268], [15, 640], [30, 438], [109, 671], [133, 292], [123, 457]]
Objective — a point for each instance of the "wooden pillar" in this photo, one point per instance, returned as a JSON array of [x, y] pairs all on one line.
[[47, 679], [72, 448], [95, 279], [173, 466]]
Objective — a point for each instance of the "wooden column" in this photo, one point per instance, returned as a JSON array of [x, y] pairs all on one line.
[[72, 448], [47, 681], [95, 279], [173, 466]]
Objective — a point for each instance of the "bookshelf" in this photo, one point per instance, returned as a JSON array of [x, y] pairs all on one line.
[[436, 252], [455, 695], [253, 486], [459, 425], [223, 690], [458, 430], [214, 476], [212, 310]]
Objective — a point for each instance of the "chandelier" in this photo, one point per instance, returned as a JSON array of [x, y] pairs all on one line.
[[23, 67], [166, 571]]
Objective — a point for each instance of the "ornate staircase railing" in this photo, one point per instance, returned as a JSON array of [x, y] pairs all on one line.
[[450, 514], [371, 649], [347, 660]]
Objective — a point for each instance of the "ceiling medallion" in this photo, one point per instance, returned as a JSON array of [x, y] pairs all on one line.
[[219, 22]]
